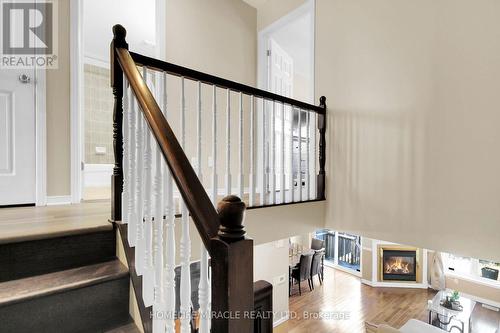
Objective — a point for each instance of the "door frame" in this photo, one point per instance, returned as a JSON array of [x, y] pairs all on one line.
[[309, 6], [77, 60], [40, 137]]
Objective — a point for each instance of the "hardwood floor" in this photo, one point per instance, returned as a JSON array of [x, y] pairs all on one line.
[[343, 294]]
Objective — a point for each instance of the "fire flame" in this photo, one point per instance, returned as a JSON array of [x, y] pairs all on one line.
[[397, 265]]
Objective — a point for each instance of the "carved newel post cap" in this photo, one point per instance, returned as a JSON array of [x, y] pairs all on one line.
[[231, 211], [119, 34], [322, 101]]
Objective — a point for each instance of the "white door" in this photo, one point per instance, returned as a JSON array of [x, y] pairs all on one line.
[[17, 137], [280, 81]]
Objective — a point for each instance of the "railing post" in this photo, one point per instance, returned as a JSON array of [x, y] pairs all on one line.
[[320, 187], [119, 34], [232, 271]]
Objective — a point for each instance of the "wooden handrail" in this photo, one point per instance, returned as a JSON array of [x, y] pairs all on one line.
[[194, 195], [194, 75]]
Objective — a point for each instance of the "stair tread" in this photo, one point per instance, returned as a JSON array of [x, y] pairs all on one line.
[[31, 223], [42, 285]]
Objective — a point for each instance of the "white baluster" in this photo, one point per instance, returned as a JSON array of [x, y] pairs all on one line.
[[185, 245], [308, 157], [240, 150], [263, 162], [214, 145], [139, 249], [314, 156], [228, 142], [132, 202], [272, 154], [251, 199], [126, 152], [299, 172], [282, 173], [290, 161], [169, 238], [204, 285], [148, 273], [159, 292]]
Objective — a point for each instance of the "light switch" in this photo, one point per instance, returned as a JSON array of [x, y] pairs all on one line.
[[100, 150]]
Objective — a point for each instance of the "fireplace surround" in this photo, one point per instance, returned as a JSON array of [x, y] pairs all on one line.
[[398, 264]]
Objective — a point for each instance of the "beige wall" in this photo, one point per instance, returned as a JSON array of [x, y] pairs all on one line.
[[58, 112], [271, 264], [271, 10], [412, 121]]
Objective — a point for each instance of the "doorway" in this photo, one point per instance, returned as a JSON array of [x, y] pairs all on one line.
[[93, 159], [286, 67]]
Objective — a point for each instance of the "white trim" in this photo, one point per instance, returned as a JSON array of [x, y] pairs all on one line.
[[40, 137], [281, 320], [76, 85], [161, 29], [394, 284], [478, 280], [343, 269], [59, 200]]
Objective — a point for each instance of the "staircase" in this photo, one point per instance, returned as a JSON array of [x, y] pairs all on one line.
[[64, 282]]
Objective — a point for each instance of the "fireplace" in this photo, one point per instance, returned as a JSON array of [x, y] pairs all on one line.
[[398, 265]]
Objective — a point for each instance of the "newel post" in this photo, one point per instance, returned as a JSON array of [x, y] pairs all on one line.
[[119, 34], [232, 271], [320, 180]]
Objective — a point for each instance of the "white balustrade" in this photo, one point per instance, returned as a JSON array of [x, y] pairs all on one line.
[[228, 142], [251, 197], [272, 155], [185, 242], [204, 284], [290, 159], [240, 149], [263, 167], [282, 155], [276, 150]]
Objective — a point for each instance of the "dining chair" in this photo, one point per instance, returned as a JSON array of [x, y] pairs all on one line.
[[318, 245], [302, 271], [316, 267]]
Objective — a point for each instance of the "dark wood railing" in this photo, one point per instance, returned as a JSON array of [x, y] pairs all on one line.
[[221, 230]]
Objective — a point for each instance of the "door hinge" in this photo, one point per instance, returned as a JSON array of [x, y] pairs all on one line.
[[268, 53], [83, 165]]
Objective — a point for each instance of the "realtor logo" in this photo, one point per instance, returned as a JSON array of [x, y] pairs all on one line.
[[29, 34]]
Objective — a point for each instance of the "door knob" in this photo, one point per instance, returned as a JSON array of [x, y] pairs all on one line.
[[23, 78]]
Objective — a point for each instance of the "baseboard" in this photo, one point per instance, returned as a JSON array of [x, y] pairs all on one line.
[[343, 269], [281, 320], [58, 200], [394, 284]]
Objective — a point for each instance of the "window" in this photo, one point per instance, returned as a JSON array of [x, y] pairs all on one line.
[[484, 270], [341, 249]]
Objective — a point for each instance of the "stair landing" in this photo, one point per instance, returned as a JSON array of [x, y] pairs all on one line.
[[31, 223]]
